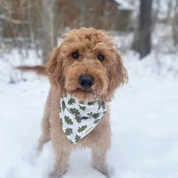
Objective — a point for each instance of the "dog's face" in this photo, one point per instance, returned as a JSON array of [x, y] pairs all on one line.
[[87, 65]]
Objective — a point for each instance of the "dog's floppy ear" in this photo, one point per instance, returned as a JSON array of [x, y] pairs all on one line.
[[54, 68], [118, 75]]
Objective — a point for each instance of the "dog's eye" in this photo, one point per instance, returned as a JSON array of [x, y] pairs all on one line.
[[100, 57], [75, 55]]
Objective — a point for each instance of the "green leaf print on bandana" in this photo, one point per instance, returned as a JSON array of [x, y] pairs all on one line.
[[63, 105], [68, 131], [68, 120], [90, 103], [71, 101], [90, 114], [103, 106], [82, 128], [75, 111], [79, 118], [77, 138], [96, 121], [83, 108], [96, 116], [81, 102], [61, 122]]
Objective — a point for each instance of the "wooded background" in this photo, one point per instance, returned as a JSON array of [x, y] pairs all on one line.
[[38, 24]]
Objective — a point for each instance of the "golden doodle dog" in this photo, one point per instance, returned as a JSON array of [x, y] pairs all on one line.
[[84, 73]]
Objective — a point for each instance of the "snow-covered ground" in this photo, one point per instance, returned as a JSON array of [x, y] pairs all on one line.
[[144, 119]]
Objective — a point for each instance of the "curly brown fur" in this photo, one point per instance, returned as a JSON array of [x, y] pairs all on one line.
[[64, 72]]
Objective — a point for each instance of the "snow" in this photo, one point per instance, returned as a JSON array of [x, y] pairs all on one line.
[[144, 120], [162, 6], [125, 5]]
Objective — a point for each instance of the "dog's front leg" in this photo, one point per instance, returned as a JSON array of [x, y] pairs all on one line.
[[61, 145], [99, 160], [61, 164], [100, 149], [62, 150]]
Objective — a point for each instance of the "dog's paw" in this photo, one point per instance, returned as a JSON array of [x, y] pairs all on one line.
[[105, 173], [54, 175]]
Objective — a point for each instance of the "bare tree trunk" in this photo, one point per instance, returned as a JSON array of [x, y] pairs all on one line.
[[49, 22], [1, 34], [175, 25], [169, 12], [142, 39], [84, 14], [155, 16]]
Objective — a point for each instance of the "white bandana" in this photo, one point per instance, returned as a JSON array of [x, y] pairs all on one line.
[[78, 118]]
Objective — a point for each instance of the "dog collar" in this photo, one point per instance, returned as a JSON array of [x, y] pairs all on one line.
[[78, 118]]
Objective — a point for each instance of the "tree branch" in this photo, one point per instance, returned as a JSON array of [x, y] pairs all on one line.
[[3, 17]]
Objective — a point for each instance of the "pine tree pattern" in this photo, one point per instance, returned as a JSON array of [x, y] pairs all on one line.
[[71, 101], [96, 116], [68, 120], [63, 106], [96, 121], [90, 114], [82, 128], [77, 138], [83, 108], [75, 111], [78, 119], [71, 141], [103, 106], [90, 103], [61, 122], [68, 131]]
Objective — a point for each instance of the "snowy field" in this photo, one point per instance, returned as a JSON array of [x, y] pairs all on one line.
[[144, 120]]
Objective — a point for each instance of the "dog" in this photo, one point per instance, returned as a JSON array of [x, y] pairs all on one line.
[[84, 70]]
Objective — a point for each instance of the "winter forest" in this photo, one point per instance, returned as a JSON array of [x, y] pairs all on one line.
[[144, 112]]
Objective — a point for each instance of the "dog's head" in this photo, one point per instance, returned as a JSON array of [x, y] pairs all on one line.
[[87, 65]]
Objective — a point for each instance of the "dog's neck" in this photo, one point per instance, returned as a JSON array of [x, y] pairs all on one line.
[[78, 118]]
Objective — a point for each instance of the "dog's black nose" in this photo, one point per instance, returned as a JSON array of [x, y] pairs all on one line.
[[86, 81]]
